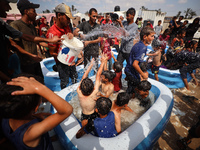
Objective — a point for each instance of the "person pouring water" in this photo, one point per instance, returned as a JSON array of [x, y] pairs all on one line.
[[61, 27]]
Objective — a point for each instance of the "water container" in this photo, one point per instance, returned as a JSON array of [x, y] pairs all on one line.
[[69, 50]]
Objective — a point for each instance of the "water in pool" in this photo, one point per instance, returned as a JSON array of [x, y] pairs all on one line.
[[127, 118]]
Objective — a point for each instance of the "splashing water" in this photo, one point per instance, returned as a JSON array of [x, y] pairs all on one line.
[[127, 118], [113, 32]]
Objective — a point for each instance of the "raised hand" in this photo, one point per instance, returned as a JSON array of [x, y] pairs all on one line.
[[29, 85]]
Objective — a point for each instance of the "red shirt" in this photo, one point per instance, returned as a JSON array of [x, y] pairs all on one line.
[[104, 22], [117, 81], [106, 48], [56, 31], [165, 41]]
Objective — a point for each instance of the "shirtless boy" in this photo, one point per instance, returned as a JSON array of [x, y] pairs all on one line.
[[87, 93], [156, 59], [118, 105], [107, 88]]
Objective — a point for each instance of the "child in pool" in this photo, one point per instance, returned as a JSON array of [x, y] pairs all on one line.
[[105, 44], [156, 58], [137, 54], [121, 103], [19, 100], [107, 88], [105, 122], [188, 61], [116, 81], [143, 67], [142, 93], [87, 93]]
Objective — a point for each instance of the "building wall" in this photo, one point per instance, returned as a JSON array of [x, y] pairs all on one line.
[[153, 16]]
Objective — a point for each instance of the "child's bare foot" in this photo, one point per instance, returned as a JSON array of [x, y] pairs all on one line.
[[80, 133]]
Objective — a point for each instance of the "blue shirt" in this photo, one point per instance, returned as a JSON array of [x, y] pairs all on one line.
[[105, 127], [16, 137], [137, 53]]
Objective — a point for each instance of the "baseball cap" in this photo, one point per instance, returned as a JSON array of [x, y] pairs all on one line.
[[63, 8], [43, 29], [25, 4], [12, 1], [38, 17]]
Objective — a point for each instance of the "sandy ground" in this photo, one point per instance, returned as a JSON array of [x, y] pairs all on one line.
[[184, 115]]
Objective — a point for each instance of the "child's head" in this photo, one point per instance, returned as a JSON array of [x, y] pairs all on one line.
[[181, 34], [143, 88], [191, 45], [156, 44], [107, 76], [174, 18], [17, 106], [122, 99], [117, 66], [103, 105], [147, 35], [159, 22], [166, 32], [143, 66], [87, 86]]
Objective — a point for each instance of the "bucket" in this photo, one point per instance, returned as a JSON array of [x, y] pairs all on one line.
[[69, 50]]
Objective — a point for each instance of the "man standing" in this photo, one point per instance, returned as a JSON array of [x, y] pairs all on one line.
[[61, 27], [25, 25], [158, 28], [5, 29], [92, 49], [127, 42], [107, 20]]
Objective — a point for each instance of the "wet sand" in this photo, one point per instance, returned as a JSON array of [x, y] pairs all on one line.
[[184, 115]]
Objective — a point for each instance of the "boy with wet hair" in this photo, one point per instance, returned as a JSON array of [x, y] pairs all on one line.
[[143, 67], [142, 93], [87, 93], [107, 88], [105, 122], [156, 45], [133, 70], [19, 100], [118, 105]]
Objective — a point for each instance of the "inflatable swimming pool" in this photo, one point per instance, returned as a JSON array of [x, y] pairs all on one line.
[[171, 78], [142, 134], [51, 78]]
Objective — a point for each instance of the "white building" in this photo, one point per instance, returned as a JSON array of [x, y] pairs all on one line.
[[153, 15]]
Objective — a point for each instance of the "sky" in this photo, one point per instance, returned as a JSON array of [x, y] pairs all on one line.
[[171, 7]]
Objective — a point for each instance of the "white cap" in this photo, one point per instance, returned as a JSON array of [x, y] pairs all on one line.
[[43, 29], [38, 17]]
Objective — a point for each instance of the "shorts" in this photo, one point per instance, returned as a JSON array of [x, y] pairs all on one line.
[[89, 117], [189, 69], [90, 125], [155, 69]]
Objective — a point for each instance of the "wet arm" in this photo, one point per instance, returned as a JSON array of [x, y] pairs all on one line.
[[88, 69], [64, 109], [22, 51], [38, 39], [138, 69]]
